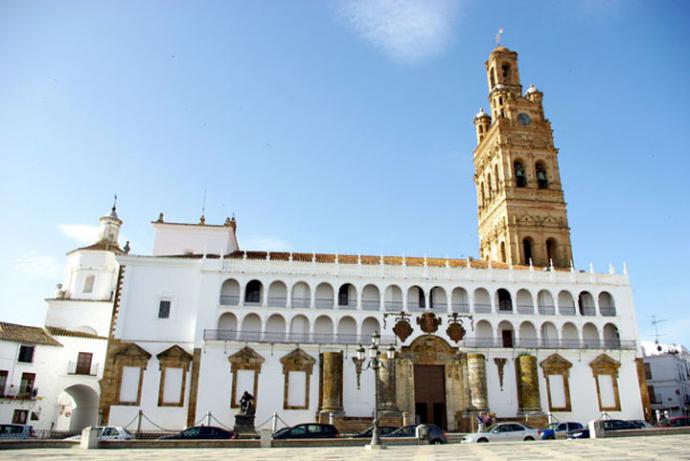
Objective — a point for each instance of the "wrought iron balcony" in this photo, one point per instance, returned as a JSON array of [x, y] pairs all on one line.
[[394, 306], [301, 302], [481, 308], [547, 343], [608, 311], [291, 338], [461, 307], [547, 310], [371, 305], [229, 300], [325, 303], [277, 301]]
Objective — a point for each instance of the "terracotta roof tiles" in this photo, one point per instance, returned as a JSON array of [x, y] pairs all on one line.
[[26, 334]]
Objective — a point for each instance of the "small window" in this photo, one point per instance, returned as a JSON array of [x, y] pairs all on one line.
[[527, 249], [647, 371], [344, 295], [164, 309], [3, 382], [88, 284], [506, 72], [26, 354], [542, 178], [20, 416], [520, 176]]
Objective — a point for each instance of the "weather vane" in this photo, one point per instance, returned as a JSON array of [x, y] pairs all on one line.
[[498, 36]]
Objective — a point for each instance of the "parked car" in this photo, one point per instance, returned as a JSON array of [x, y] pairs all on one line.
[[200, 433], [675, 421], [108, 433], [557, 430], [608, 424], [639, 423], [307, 431], [383, 432], [16, 431], [503, 432], [435, 434]]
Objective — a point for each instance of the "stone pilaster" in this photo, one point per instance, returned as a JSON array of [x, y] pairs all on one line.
[[331, 374], [388, 405], [527, 380], [476, 370], [644, 392], [194, 387]]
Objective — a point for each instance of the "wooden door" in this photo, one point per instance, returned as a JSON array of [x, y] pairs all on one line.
[[430, 394]]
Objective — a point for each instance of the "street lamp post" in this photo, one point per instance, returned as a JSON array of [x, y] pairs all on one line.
[[375, 364]]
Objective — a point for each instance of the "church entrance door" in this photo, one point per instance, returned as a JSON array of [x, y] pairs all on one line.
[[430, 394]]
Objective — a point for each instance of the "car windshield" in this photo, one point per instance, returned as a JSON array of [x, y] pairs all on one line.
[[491, 428], [552, 426]]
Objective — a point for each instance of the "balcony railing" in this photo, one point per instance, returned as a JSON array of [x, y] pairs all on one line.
[[566, 310], [371, 305], [547, 343], [324, 303], [525, 310], [588, 311], [547, 310], [439, 307], [608, 311], [461, 307], [348, 305], [229, 300], [480, 308], [394, 306], [301, 302], [294, 338], [73, 369], [415, 307], [277, 301]]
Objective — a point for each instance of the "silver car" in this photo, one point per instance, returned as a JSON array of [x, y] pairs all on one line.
[[502, 432], [108, 433]]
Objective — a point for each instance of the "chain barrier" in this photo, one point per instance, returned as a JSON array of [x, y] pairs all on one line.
[[268, 420], [156, 425], [130, 423], [216, 420]]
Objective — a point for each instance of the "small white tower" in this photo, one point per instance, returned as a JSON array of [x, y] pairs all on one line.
[[110, 227]]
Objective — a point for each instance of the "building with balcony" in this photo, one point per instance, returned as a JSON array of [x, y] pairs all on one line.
[[667, 369]]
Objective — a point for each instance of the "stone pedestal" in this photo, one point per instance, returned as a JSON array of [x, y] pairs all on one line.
[[244, 425], [388, 406], [528, 383], [331, 374], [476, 371], [89, 438]]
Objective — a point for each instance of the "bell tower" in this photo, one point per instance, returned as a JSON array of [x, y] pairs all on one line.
[[521, 209]]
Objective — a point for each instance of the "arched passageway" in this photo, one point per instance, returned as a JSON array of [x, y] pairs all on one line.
[[84, 411]]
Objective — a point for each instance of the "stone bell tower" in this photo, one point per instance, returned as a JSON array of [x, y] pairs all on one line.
[[521, 208]]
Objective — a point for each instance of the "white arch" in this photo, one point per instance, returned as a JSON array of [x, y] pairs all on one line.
[[525, 303], [347, 296], [277, 294], [347, 329], [323, 326], [299, 328], [484, 336], [275, 328], [566, 303], [460, 300], [569, 336], [393, 298], [528, 335], [371, 298], [505, 334], [482, 301], [369, 326], [230, 293], [301, 295], [590, 336], [607, 306], [438, 299], [549, 335], [545, 303], [324, 295], [85, 410], [251, 327]]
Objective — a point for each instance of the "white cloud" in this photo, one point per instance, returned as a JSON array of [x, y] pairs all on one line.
[[82, 233], [261, 243], [406, 30], [40, 266]]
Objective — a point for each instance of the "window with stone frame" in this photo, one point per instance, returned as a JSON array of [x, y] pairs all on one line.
[[245, 366], [297, 370], [164, 309], [557, 374], [173, 364], [605, 373], [130, 362], [26, 354]]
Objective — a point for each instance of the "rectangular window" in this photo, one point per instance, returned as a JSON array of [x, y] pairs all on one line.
[[606, 391], [557, 391], [129, 387], [20, 416], [172, 391], [26, 385], [84, 363], [652, 396], [164, 309], [648, 371], [296, 389], [26, 354], [3, 382]]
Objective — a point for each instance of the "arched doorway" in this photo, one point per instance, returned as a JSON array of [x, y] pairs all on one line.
[[83, 408]]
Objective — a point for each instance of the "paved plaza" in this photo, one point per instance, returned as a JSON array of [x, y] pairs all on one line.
[[667, 448]]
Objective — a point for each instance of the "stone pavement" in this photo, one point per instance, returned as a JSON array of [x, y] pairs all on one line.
[[667, 448]]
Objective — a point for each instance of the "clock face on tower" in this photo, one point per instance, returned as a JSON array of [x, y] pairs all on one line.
[[524, 118]]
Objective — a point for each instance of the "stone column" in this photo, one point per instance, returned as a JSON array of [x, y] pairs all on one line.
[[527, 380], [331, 382], [387, 388], [476, 370]]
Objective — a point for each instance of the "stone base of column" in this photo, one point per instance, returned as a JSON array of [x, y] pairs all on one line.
[[324, 416]]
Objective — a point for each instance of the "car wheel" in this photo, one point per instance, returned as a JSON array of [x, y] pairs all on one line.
[[528, 439], [482, 440]]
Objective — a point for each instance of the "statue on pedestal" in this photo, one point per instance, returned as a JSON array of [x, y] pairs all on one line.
[[244, 419]]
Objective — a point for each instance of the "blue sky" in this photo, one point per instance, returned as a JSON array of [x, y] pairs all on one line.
[[336, 126]]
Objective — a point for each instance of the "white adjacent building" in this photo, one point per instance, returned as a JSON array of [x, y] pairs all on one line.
[[667, 369]]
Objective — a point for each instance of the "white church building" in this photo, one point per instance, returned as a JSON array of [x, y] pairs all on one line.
[[186, 330]]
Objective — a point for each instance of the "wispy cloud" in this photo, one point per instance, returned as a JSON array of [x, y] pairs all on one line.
[[408, 31], [262, 243], [82, 233], [40, 266]]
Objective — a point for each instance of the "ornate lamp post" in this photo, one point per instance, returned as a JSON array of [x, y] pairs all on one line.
[[375, 364]]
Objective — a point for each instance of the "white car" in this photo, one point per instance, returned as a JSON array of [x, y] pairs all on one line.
[[502, 432], [108, 433]]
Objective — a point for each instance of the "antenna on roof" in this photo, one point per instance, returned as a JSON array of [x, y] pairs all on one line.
[[655, 322], [202, 219], [114, 202]]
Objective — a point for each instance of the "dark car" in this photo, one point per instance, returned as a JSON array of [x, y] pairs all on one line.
[[558, 430], [383, 431], [676, 421], [308, 431], [435, 434], [200, 433], [16, 431], [608, 425]]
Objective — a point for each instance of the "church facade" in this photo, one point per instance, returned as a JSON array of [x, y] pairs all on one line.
[[518, 332]]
